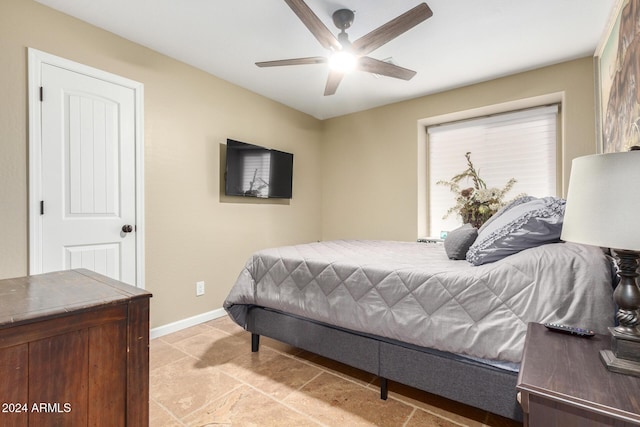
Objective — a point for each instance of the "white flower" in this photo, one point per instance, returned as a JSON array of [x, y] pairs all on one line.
[[475, 204]]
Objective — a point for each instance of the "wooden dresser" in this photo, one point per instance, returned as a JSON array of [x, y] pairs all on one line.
[[74, 351]]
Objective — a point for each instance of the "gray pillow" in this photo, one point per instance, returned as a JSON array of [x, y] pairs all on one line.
[[458, 241], [524, 226]]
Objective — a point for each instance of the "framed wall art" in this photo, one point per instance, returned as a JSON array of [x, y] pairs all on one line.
[[617, 63]]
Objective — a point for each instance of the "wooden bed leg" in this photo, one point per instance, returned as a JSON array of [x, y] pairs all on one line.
[[384, 390], [255, 342]]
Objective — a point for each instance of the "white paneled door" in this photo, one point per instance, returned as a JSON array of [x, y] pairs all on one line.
[[87, 175]]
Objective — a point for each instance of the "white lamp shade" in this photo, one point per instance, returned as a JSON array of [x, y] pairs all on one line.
[[603, 201]]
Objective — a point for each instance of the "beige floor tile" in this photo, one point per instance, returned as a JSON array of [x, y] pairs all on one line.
[[226, 324], [421, 418], [339, 402], [159, 417], [271, 372], [184, 333], [248, 407], [214, 347], [184, 387], [207, 375], [162, 353]]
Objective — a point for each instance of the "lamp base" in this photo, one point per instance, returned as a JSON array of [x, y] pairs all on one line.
[[624, 356]]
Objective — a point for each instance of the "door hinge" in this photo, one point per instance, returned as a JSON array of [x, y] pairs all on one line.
[[41, 94], [41, 207]]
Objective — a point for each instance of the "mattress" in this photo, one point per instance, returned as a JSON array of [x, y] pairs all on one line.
[[411, 292]]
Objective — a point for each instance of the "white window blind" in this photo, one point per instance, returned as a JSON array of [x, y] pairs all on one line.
[[520, 145]]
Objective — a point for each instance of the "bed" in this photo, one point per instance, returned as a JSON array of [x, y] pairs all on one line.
[[406, 312]]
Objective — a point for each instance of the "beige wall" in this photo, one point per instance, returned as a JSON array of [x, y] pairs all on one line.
[[367, 187], [192, 232], [370, 159]]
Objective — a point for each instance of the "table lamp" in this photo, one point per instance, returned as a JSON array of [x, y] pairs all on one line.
[[603, 209]]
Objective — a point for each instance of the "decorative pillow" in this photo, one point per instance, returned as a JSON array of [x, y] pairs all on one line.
[[458, 241], [511, 204], [524, 226]]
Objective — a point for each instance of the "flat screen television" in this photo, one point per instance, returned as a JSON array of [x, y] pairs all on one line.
[[255, 171]]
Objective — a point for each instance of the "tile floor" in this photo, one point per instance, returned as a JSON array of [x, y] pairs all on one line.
[[206, 375]]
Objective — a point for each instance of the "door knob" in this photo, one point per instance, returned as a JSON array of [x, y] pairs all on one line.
[[127, 228]]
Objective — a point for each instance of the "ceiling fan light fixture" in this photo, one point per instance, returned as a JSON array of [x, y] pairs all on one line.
[[342, 61], [346, 56]]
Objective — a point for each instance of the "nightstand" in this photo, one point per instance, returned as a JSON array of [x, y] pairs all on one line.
[[563, 383]]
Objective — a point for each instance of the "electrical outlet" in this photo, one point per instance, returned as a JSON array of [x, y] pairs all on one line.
[[199, 288]]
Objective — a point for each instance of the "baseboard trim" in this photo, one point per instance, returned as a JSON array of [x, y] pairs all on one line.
[[186, 323]]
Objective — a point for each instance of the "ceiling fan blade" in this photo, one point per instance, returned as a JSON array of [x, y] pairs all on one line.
[[314, 24], [334, 79], [375, 66], [294, 61], [392, 29]]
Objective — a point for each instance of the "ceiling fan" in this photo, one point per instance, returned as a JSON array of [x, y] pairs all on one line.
[[346, 55]]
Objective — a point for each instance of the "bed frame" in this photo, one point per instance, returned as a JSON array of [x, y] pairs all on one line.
[[445, 374]]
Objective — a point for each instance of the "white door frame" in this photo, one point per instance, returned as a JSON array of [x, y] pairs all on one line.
[[36, 59]]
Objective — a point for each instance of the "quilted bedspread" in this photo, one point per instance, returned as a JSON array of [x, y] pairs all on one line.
[[413, 293]]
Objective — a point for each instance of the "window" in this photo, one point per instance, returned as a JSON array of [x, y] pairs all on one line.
[[520, 145]]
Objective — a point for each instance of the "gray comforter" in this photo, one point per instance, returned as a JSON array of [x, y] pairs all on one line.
[[413, 293]]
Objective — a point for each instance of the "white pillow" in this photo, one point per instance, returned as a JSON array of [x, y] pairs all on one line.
[[524, 226], [513, 203]]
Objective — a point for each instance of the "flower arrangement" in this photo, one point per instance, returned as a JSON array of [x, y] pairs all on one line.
[[478, 203]]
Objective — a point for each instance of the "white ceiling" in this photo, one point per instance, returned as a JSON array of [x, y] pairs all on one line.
[[464, 42]]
